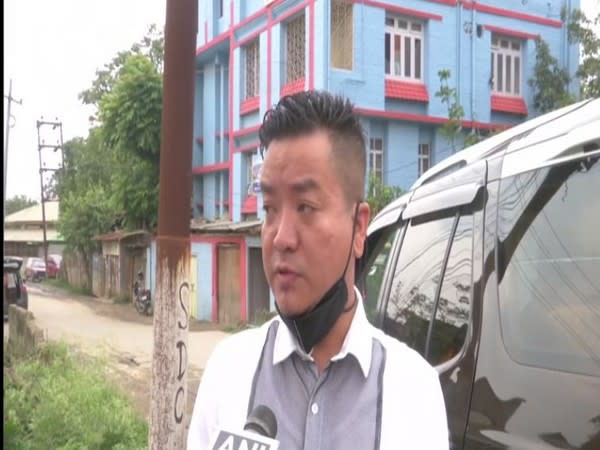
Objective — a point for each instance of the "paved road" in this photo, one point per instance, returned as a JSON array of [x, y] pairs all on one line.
[[117, 331], [66, 317]]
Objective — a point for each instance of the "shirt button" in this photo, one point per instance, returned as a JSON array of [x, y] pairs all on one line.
[[314, 408]]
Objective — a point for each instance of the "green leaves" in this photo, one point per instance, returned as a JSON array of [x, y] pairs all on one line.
[[582, 30], [550, 81], [131, 112], [114, 172], [453, 129], [380, 195], [58, 400], [17, 203]]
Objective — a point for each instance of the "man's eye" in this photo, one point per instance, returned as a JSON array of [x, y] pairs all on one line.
[[304, 208]]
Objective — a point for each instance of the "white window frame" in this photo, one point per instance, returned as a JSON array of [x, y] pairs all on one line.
[[506, 50], [405, 29], [301, 63], [252, 64], [375, 151], [342, 38], [424, 158], [248, 156]]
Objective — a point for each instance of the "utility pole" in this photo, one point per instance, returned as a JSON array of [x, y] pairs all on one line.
[[171, 308], [43, 169], [8, 127]]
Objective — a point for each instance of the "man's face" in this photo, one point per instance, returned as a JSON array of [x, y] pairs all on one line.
[[307, 231]]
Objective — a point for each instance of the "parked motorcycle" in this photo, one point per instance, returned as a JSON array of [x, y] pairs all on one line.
[[142, 298]]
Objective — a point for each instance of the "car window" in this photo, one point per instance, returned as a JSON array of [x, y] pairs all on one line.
[[416, 276], [549, 266], [453, 309], [378, 256]]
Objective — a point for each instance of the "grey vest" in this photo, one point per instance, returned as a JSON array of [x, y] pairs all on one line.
[[340, 409]]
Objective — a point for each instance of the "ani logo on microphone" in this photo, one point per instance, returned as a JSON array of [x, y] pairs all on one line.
[[243, 440]]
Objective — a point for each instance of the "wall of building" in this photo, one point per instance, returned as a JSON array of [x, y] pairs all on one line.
[[456, 38], [204, 264]]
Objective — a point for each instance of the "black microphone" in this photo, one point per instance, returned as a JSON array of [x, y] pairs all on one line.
[[262, 421], [258, 434]]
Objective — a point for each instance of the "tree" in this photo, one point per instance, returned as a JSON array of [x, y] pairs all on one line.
[[453, 129], [130, 116], [84, 187], [550, 81], [151, 46], [17, 203], [131, 112], [380, 195], [583, 31]]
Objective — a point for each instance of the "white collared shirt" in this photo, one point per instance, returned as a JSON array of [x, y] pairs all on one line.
[[412, 411]]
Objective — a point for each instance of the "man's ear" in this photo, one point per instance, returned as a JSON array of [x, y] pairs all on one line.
[[363, 217]]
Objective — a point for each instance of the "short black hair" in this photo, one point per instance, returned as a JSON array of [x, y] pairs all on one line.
[[309, 111]]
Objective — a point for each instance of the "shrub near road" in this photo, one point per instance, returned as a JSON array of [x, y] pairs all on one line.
[[59, 400]]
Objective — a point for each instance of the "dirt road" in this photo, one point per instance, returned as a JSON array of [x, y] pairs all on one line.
[[118, 332]]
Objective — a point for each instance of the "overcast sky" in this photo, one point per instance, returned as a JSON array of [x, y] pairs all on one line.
[[51, 51]]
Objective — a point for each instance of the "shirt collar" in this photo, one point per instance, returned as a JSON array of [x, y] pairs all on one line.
[[357, 342]]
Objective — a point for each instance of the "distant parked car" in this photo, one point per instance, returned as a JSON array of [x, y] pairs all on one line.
[[57, 259], [51, 268], [35, 269], [15, 291]]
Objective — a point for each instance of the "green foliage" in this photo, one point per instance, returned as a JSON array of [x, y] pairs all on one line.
[[130, 112], [380, 195], [584, 31], [114, 172], [453, 130], [151, 46], [550, 81], [61, 401], [17, 203], [84, 188]]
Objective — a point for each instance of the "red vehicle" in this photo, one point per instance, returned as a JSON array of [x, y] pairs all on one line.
[[51, 268], [36, 270]]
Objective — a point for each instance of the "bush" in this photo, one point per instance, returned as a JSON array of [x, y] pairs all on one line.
[[60, 400]]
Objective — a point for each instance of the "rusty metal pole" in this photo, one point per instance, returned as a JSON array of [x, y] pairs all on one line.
[[171, 307]]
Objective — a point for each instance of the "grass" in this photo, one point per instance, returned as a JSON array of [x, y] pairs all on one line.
[[63, 284], [59, 399]]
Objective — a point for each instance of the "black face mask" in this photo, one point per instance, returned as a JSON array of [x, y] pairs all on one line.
[[309, 328]]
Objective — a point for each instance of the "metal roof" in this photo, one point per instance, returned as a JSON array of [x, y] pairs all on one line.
[[227, 226], [119, 235], [33, 214], [15, 235]]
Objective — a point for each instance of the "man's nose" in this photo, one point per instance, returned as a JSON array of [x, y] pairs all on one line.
[[286, 234]]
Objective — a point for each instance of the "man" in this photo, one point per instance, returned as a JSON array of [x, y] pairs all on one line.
[[332, 380]]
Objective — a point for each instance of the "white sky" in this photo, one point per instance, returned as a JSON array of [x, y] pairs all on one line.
[[51, 51]]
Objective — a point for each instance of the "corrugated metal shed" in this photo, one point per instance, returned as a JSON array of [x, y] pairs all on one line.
[[33, 214], [249, 226], [16, 235]]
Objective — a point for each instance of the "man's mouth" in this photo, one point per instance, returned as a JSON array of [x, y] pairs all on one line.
[[285, 276]]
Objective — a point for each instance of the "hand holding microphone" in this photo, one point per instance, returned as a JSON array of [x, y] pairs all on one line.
[[258, 434]]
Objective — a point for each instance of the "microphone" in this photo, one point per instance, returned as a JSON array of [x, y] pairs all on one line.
[[258, 434]]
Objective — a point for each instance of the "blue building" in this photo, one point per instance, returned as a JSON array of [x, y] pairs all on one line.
[[385, 56]]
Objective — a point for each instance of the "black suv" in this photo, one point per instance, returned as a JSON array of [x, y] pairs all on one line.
[[489, 267], [15, 291]]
